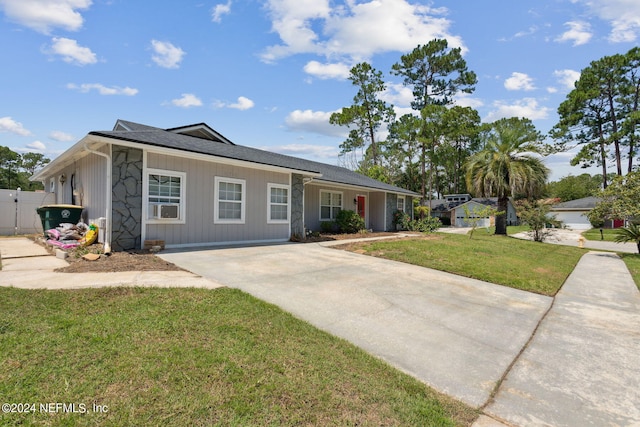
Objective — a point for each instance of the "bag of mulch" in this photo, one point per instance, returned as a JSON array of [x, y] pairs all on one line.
[[53, 234]]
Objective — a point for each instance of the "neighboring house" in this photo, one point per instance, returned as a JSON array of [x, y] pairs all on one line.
[[453, 208], [474, 205], [191, 186], [442, 208], [573, 213]]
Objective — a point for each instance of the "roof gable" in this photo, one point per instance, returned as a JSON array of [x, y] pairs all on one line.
[[201, 130]]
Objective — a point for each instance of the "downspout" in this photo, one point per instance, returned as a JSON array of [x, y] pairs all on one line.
[[107, 231]]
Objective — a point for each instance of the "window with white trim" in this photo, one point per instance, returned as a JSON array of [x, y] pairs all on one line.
[[401, 203], [278, 204], [230, 200], [330, 205], [165, 196]]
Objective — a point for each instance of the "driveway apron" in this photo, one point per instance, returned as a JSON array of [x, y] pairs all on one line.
[[456, 334], [582, 368]]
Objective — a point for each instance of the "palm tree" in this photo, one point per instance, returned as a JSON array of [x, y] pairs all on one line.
[[630, 233], [507, 166]]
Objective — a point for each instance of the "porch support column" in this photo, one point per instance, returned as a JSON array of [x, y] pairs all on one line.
[[297, 207]]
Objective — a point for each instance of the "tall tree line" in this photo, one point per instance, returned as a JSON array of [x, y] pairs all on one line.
[[16, 169], [601, 115], [423, 151]]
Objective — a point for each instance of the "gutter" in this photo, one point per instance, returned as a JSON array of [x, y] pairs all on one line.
[[107, 231]]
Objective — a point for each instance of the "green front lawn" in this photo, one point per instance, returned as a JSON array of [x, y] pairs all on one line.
[[594, 234], [194, 357], [633, 264], [521, 264]]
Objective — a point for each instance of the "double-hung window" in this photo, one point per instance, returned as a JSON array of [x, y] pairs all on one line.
[[278, 204], [230, 200], [330, 205], [165, 196], [401, 203]]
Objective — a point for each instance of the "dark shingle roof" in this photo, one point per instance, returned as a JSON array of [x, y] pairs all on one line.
[[585, 203], [157, 137]]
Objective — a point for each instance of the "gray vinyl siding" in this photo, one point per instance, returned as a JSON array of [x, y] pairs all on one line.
[[377, 211], [312, 203], [89, 174], [199, 227]]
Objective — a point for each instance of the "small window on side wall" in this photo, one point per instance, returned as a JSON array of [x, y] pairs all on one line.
[[401, 203]]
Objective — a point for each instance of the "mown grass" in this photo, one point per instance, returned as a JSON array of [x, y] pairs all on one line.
[[594, 234], [633, 264], [198, 358], [520, 264]]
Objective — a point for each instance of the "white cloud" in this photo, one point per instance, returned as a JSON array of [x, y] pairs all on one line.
[[579, 32], [327, 71], [314, 122], [519, 81], [567, 78], [57, 135], [7, 124], [305, 150], [356, 30], [623, 15], [45, 15], [243, 103], [187, 100], [467, 100], [220, 10], [526, 107], [71, 52], [102, 89], [166, 55], [397, 94], [37, 146]]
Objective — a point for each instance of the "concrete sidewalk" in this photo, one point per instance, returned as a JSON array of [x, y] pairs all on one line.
[[27, 265], [582, 367], [567, 237]]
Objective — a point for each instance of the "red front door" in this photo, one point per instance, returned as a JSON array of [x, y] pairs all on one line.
[[361, 206]]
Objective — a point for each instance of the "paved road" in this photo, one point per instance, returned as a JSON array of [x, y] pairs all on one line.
[[448, 331]]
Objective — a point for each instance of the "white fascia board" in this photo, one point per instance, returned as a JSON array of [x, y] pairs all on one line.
[[357, 187], [202, 157], [63, 160]]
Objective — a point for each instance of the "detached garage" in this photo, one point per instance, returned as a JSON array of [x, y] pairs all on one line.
[[573, 213]]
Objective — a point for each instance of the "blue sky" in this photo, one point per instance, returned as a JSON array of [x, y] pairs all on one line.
[[268, 73]]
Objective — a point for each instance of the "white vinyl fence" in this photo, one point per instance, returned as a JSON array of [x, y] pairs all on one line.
[[18, 211]]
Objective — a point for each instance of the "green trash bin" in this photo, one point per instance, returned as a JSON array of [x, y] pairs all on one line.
[[54, 215]]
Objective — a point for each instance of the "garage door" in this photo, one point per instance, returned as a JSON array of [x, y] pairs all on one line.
[[574, 220]]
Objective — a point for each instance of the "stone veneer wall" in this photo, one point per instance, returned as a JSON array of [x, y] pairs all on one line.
[[297, 206], [126, 204]]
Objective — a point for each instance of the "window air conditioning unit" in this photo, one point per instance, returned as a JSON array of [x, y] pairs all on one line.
[[166, 211]]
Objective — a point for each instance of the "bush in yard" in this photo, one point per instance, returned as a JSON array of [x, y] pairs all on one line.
[[536, 216], [428, 224], [328, 226], [401, 220], [349, 222]]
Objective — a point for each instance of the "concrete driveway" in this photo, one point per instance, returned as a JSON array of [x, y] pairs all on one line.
[[456, 334]]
